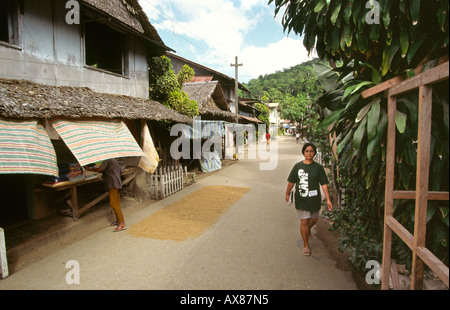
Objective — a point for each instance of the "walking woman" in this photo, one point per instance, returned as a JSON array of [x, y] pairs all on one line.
[[307, 176]]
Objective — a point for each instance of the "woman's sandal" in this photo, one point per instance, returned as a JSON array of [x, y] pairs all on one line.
[[118, 228], [306, 252], [114, 224]]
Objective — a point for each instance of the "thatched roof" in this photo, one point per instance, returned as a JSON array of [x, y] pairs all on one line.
[[213, 114], [211, 100], [26, 100], [131, 14], [120, 10], [207, 94]]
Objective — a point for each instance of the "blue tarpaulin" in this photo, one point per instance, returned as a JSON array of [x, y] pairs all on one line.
[[211, 164]]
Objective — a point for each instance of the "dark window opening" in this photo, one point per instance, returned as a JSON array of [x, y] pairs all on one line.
[[105, 48], [8, 21], [4, 33]]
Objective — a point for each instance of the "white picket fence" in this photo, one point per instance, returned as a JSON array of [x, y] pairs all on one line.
[[166, 181]]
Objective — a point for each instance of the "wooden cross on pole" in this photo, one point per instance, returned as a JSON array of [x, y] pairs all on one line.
[[236, 97]]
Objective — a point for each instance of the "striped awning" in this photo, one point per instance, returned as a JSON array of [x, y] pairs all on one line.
[[26, 148], [92, 141]]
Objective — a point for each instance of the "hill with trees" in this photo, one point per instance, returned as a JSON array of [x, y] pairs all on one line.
[[290, 88]]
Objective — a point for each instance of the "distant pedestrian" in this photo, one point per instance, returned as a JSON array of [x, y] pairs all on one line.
[[297, 137], [111, 170], [308, 176], [267, 137]]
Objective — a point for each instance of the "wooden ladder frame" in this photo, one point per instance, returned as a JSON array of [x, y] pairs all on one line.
[[416, 242]]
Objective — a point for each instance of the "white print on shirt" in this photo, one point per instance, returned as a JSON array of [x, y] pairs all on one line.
[[313, 193], [303, 188]]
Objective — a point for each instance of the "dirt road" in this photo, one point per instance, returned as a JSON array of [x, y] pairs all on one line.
[[254, 244]]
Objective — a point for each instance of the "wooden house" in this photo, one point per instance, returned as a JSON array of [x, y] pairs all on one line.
[[248, 111], [204, 74], [78, 64], [245, 114]]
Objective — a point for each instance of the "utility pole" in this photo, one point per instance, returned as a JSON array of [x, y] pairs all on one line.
[[236, 88], [236, 101]]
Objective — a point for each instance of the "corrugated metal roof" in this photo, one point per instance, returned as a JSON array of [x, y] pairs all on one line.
[[198, 79]]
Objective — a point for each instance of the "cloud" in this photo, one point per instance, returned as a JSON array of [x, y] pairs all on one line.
[[274, 57], [218, 31], [217, 24]]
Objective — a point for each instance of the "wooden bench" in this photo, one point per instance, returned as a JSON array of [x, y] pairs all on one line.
[[71, 196]]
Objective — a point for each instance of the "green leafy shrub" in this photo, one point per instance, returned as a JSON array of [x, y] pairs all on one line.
[[165, 86]]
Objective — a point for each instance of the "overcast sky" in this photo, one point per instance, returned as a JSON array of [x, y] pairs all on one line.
[[213, 32]]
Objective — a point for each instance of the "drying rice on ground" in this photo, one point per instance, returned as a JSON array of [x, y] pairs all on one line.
[[189, 217]]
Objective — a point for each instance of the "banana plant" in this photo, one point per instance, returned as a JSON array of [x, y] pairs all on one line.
[[388, 35], [408, 33]]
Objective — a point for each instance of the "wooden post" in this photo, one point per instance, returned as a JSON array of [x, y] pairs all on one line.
[[168, 179], [172, 181], [163, 187], [74, 198], [157, 182], [179, 177], [182, 175], [166, 182], [151, 184], [152, 188], [423, 161], [174, 176], [3, 260], [389, 190]]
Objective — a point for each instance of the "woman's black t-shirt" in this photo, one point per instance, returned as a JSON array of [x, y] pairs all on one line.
[[307, 179]]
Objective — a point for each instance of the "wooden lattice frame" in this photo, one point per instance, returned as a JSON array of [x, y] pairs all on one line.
[[416, 242]]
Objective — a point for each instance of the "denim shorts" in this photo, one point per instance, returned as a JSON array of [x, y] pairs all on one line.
[[302, 214]]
